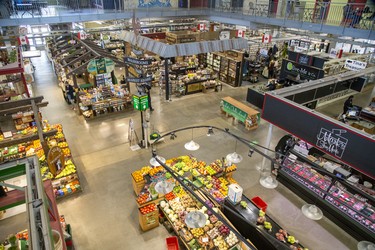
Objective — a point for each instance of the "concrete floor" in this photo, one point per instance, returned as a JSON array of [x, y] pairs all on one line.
[[104, 215]]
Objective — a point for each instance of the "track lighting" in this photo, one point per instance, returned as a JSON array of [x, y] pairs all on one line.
[[210, 131], [251, 151], [173, 136]]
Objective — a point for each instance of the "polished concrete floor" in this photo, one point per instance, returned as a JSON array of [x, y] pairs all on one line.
[[104, 215]]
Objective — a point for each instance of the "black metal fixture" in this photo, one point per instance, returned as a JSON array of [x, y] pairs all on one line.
[[173, 136], [251, 152], [210, 131]]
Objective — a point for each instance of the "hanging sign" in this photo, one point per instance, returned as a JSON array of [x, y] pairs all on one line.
[[55, 160], [138, 61], [354, 65], [139, 80], [140, 102], [100, 66], [224, 35], [82, 35]]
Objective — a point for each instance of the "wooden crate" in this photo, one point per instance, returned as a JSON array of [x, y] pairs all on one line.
[[138, 186], [148, 221]]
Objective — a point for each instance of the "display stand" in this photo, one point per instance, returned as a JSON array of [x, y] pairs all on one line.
[[240, 112]]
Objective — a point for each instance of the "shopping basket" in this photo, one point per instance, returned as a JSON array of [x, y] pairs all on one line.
[[172, 243]]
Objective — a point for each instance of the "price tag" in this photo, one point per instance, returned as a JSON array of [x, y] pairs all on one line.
[[205, 239]]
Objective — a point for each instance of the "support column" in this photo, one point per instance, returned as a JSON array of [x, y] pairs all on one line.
[[166, 60], [40, 127], [268, 143]]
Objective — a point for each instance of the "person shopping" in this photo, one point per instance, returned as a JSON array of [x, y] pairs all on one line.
[[348, 104]]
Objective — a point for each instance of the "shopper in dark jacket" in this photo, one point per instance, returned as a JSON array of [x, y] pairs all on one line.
[[348, 104]]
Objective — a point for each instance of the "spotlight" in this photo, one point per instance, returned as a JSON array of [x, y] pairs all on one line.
[[153, 152], [251, 151], [226, 129], [210, 131], [173, 136]]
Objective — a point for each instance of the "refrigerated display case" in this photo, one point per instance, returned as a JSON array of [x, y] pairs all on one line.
[[341, 202]]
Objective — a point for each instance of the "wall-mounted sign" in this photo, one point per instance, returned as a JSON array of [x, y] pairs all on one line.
[[55, 160], [354, 65], [332, 141], [100, 66], [137, 61], [140, 102], [139, 80], [224, 35], [350, 147]]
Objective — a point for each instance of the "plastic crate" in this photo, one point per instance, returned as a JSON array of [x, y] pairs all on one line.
[[172, 243], [259, 203]]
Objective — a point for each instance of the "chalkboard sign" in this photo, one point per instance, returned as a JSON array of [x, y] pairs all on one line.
[[325, 134]]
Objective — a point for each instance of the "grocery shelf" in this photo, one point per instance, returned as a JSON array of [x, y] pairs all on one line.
[[25, 138]]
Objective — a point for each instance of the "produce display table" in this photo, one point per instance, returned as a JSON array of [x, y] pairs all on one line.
[[240, 112], [259, 236]]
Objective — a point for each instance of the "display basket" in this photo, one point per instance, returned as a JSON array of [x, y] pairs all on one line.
[[172, 243], [259, 203]]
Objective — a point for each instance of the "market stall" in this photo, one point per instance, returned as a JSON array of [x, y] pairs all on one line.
[[25, 133], [214, 185]]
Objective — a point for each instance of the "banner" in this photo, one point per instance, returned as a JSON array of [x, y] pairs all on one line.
[[201, 26], [266, 38], [240, 33]]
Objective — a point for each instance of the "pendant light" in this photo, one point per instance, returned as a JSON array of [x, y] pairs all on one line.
[[365, 245], [234, 157], [164, 187], [192, 145], [154, 162], [195, 219], [312, 212], [268, 182]]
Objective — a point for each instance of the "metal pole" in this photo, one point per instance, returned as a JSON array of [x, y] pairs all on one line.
[[143, 131], [166, 79]]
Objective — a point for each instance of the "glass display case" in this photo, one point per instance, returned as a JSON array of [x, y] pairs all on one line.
[[340, 202]]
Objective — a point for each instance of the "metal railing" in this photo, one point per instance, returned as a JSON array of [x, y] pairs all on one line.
[[353, 15]]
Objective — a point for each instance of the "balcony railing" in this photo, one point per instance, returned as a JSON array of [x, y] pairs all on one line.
[[354, 15]]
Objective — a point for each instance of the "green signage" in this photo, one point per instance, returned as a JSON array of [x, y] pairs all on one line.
[[140, 102], [100, 66], [234, 111]]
